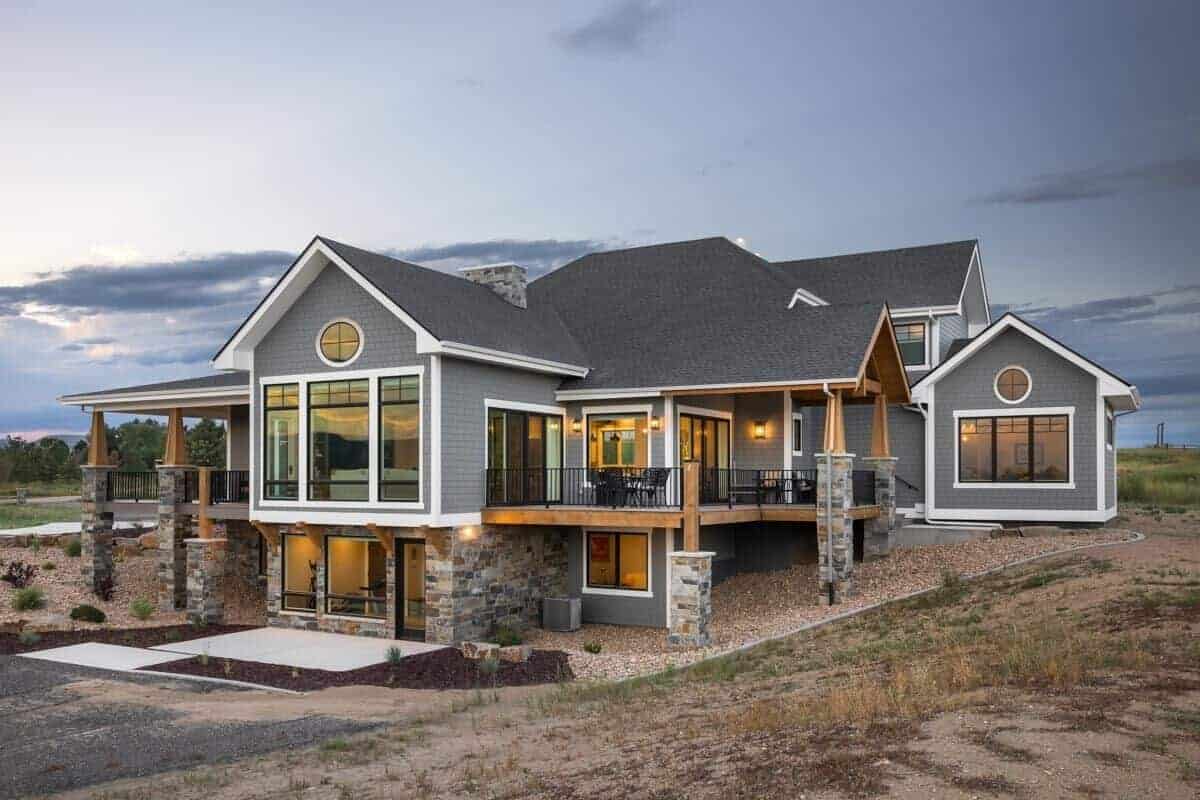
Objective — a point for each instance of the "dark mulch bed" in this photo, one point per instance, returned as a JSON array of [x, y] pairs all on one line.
[[129, 637], [438, 669]]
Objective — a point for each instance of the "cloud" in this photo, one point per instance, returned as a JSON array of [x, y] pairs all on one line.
[[1165, 304], [539, 256], [1087, 184], [626, 27]]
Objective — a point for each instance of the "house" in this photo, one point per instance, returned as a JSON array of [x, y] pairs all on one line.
[[417, 454]]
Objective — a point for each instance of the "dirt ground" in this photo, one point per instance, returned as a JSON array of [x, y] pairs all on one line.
[[1074, 676]]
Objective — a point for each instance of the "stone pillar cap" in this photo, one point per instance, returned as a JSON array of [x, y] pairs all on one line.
[[835, 455], [881, 458], [696, 554]]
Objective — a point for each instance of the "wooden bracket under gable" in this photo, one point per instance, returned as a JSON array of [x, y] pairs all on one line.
[[269, 531], [386, 537]]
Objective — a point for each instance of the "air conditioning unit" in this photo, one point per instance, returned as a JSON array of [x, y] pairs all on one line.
[[562, 613]]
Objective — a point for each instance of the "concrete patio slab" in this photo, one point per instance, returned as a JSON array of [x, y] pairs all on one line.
[[105, 656], [334, 652]]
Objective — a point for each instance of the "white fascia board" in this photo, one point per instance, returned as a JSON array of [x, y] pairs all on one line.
[[193, 396], [926, 311], [976, 262], [289, 289], [657, 391], [475, 353]]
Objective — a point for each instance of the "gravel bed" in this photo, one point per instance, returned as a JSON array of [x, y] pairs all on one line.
[[760, 605], [135, 576]]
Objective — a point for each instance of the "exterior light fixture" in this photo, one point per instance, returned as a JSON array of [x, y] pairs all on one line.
[[760, 429], [576, 425], [468, 533], [655, 423]]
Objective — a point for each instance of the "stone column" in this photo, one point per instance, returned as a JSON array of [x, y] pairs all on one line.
[[274, 579], [96, 529], [691, 598], [881, 531], [174, 526], [835, 487], [205, 573]]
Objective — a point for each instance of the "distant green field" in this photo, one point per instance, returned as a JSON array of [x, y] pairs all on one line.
[[1159, 477], [41, 489], [14, 516]]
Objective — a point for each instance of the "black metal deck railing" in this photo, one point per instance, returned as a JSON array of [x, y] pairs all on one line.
[[763, 487], [652, 487], [229, 486], [135, 486]]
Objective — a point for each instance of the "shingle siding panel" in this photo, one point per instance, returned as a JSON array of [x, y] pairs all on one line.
[[907, 429], [1056, 382], [950, 327], [751, 453]]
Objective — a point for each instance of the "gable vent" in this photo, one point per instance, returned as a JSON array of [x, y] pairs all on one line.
[[806, 297]]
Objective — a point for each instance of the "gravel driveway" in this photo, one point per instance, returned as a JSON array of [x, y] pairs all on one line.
[[51, 741]]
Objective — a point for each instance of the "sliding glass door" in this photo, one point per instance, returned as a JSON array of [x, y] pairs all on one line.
[[525, 453], [706, 439]]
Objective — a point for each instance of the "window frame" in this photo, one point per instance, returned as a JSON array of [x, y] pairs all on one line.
[[1028, 384], [797, 417], [1110, 428], [623, 410], [283, 590], [327, 595], [611, 591], [310, 441], [380, 404], [552, 485], [1031, 413], [321, 333], [927, 363], [266, 409]]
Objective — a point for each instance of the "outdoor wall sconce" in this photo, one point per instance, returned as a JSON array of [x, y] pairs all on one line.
[[655, 423], [576, 425], [760, 429]]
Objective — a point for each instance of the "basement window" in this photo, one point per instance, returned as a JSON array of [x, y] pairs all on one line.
[[618, 561]]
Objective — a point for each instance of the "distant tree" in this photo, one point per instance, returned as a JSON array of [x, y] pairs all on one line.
[[139, 444], [206, 444]]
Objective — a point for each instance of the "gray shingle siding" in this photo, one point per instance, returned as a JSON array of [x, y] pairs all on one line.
[[239, 437], [289, 348], [620, 610], [751, 453], [950, 327], [1056, 382], [907, 429], [466, 385]]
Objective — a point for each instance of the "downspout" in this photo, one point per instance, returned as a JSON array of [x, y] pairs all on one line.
[[828, 502]]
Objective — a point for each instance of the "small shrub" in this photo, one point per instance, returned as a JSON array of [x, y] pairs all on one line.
[[30, 598], [104, 588], [394, 655], [35, 545], [172, 635], [592, 647], [507, 637], [86, 613], [48, 566], [141, 608], [72, 547], [28, 638], [19, 574]]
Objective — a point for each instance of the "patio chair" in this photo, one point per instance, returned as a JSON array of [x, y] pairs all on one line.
[[611, 488], [652, 486]]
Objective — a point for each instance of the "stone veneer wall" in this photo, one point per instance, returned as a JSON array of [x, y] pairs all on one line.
[[490, 576], [174, 527], [841, 531], [691, 598], [96, 529]]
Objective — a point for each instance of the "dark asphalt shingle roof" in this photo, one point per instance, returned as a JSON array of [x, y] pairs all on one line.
[[930, 275], [698, 313], [218, 380], [955, 346], [457, 310]]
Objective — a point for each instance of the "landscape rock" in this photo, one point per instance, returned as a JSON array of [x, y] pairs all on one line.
[[517, 653], [148, 541], [479, 650]]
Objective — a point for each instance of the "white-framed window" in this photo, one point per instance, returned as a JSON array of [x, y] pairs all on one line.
[[1012, 384], [913, 338], [1110, 428], [617, 563], [340, 342], [797, 434], [1014, 448], [617, 436]]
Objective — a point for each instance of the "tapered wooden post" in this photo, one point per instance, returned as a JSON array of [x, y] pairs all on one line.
[[691, 507], [835, 426], [97, 442], [203, 500], [175, 453], [880, 440]]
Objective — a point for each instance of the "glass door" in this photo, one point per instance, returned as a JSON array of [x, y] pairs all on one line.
[[706, 439], [525, 457], [410, 590]]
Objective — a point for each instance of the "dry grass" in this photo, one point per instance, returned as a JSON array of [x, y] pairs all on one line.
[[1164, 478]]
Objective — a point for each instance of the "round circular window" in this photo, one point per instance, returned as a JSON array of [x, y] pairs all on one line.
[[1012, 384], [339, 343]]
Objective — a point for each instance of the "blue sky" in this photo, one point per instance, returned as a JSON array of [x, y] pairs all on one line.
[[161, 165]]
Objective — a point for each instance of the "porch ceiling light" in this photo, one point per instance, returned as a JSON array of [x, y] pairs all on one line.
[[760, 429]]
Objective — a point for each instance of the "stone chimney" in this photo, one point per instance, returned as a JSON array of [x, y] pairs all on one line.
[[506, 280]]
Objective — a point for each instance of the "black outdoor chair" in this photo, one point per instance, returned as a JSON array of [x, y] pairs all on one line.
[[611, 488], [651, 488]]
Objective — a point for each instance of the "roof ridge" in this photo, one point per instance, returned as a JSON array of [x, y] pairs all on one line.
[[974, 241]]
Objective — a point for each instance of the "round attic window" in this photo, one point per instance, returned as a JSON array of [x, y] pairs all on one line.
[[340, 343], [1013, 384]]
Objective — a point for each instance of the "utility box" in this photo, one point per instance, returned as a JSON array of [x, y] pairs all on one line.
[[562, 613]]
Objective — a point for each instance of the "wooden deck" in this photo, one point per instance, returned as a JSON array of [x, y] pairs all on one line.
[[657, 517]]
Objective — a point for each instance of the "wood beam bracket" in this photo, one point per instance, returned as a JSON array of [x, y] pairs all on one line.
[[269, 531], [386, 537]]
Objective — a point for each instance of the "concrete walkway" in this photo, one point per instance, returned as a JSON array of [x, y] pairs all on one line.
[[61, 529], [303, 649], [105, 656]]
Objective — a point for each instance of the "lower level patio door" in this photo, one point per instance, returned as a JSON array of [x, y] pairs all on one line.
[[410, 589]]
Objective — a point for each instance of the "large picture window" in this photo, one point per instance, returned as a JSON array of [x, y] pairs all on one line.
[[281, 441], [301, 556], [1033, 449], [355, 577], [617, 440], [339, 440], [618, 561], [911, 337], [400, 438]]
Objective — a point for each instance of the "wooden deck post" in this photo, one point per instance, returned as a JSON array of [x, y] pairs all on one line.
[[97, 442], [881, 446], [203, 500], [175, 453], [835, 425], [691, 507]]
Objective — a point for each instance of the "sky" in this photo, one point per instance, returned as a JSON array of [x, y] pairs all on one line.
[[161, 164]]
